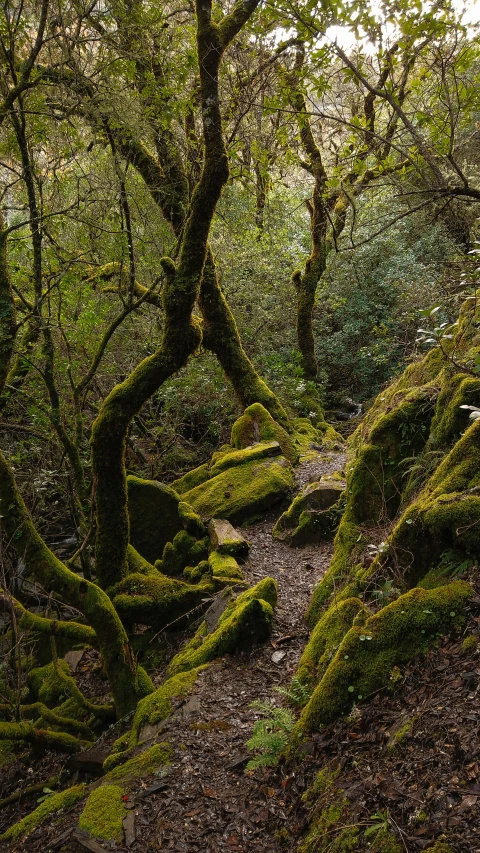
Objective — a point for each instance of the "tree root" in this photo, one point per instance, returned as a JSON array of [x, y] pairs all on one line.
[[28, 791], [59, 741], [38, 712]]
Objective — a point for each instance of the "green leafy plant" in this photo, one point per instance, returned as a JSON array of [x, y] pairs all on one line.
[[385, 592], [270, 734], [297, 694], [380, 822]]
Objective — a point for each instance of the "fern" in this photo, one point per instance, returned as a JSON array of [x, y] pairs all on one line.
[[297, 694], [270, 735]]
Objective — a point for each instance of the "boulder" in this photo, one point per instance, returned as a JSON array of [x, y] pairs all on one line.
[[243, 492], [262, 450], [226, 540], [257, 425], [309, 509], [246, 620], [224, 566], [154, 516]]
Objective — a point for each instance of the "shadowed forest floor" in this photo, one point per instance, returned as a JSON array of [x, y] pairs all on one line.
[[204, 800]]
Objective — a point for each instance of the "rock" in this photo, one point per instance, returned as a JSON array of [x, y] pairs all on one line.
[[191, 479], [224, 566], [261, 450], [243, 492], [255, 425], [226, 540], [155, 599], [217, 608], [73, 658], [89, 761], [149, 731], [246, 621], [315, 527], [154, 516], [307, 519]]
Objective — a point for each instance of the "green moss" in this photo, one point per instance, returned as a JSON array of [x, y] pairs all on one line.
[[245, 622], [194, 574], [191, 521], [191, 479], [154, 516], [366, 656], [157, 706], [143, 764], [327, 636], [243, 492], [55, 803], [384, 841], [328, 831], [103, 814], [470, 645], [349, 544], [155, 599], [46, 684], [255, 425], [185, 550], [224, 566], [263, 450], [440, 847], [136, 563]]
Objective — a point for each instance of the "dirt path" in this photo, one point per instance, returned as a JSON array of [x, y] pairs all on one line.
[[209, 803]]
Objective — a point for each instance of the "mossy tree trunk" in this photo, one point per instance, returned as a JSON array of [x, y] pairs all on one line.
[[306, 282], [182, 334], [170, 183]]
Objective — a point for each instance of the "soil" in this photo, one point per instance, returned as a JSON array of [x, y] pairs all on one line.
[[205, 801]]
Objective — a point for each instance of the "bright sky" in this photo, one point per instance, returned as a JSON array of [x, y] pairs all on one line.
[[470, 11]]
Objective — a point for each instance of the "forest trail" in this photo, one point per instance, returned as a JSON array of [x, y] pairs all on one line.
[[209, 803]]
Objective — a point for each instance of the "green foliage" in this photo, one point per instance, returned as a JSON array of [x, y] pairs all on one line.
[[270, 735]]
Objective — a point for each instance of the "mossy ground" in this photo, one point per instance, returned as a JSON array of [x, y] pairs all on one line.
[[103, 814]]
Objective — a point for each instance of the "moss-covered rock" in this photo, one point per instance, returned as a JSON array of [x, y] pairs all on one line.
[[246, 621], [154, 516], [253, 453], [317, 496], [191, 521], [313, 515], [226, 540], [185, 550], [155, 708], [103, 814], [191, 479], [146, 762], [224, 566], [366, 656], [55, 803], [257, 425], [243, 492], [155, 599]]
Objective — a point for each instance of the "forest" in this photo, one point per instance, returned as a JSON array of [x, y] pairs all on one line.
[[239, 426]]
